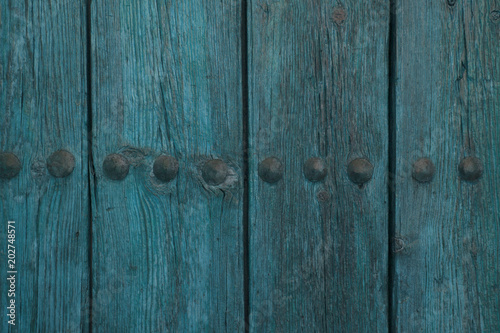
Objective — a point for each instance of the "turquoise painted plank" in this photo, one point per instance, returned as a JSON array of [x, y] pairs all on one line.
[[166, 78], [318, 88], [447, 241], [43, 109]]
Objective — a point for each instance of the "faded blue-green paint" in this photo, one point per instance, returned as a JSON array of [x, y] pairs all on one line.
[[447, 108], [166, 78], [43, 109], [318, 88]]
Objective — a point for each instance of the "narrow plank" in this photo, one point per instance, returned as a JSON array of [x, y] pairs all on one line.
[[43, 109], [166, 79], [448, 108], [318, 88]]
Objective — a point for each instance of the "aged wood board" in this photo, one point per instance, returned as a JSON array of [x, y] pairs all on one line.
[[318, 87], [43, 108], [447, 108], [166, 79]]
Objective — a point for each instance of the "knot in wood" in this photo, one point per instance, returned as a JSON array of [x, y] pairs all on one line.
[[495, 16], [323, 196], [339, 15]]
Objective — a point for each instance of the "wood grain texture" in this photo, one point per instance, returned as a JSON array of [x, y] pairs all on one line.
[[447, 107], [43, 109], [166, 79], [318, 88]]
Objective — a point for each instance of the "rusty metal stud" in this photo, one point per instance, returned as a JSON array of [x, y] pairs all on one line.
[[61, 164], [214, 172], [470, 169], [423, 170], [115, 166], [165, 168], [10, 166], [271, 170], [315, 169], [360, 171]]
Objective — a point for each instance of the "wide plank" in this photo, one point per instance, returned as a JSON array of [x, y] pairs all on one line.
[[318, 88], [43, 108], [447, 231], [166, 78]]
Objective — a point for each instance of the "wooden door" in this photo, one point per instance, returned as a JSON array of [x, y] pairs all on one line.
[[250, 166]]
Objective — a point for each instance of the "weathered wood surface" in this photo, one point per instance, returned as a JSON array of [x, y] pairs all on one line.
[[447, 108], [43, 109], [166, 78], [318, 88]]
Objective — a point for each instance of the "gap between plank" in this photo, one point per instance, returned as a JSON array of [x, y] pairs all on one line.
[[246, 138], [91, 170], [392, 56]]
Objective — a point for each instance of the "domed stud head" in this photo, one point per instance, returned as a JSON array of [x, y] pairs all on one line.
[[360, 171], [61, 164], [470, 169], [315, 169], [271, 170], [423, 170], [214, 172], [115, 167], [10, 166], [165, 168]]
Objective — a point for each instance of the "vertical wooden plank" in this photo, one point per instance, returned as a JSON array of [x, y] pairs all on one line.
[[318, 88], [166, 79], [447, 240], [43, 109]]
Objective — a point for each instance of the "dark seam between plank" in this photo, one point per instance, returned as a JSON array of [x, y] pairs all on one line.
[[246, 138], [392, 56], [91, 171]]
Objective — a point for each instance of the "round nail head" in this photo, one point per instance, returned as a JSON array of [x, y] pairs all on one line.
[[470, 169], [10, 166], [115, 166], [315, 169], [360, 171], [423, 170], [61, 164], [271, 170], [214, 172], [165, 168]]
